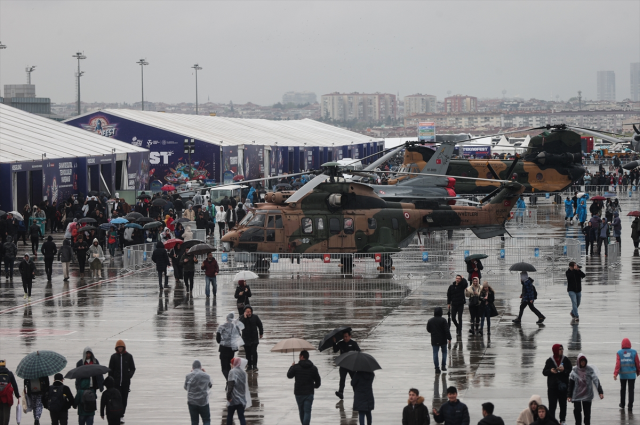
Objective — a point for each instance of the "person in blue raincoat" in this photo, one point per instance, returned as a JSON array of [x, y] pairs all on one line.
[[581, 211], [252, 191], [568, 209], [520, 207]]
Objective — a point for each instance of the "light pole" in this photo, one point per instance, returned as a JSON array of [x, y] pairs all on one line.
[[197, 68], [142, 63], [79, 56], [29, 70]]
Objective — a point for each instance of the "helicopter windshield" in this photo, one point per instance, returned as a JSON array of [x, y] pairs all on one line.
[[247, 218], [257, 221]]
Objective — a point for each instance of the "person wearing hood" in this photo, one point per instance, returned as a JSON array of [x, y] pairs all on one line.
[[59, 400], [627, 367], [581, 212], [438, 327], [96, 257], [521, 207], [363, 400], [251, 334], [189, 213], [528, 296], [616, 224], [415, 412], [49, 250], [530, 414], [307, 380], [453, 412], [557, 370], [456, 301], [568, 210], [122, 370], [10, 252], [81, 249], [198, 384], [229, 338], [188, 262], [581, 382], [545, 417], [6, 396], [111, 402], [240, 212], [28, 273], [188, 234], [88, 358], [65, 255], [488, 418], [238, 395], [161, 259]]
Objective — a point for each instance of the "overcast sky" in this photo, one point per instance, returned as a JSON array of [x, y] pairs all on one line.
[[256, 51]]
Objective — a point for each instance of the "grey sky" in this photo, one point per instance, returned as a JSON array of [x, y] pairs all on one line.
[[256, 51]]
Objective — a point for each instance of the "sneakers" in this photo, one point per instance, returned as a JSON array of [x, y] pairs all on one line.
[[339, 395], [122, 420], [516, 320], [255, 368], [437, 370], [541, 319], [29, 299], [25, 296], [444, 368], [572, 315]]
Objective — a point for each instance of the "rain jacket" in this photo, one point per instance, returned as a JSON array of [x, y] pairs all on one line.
[[438, 327], [95, 250], [617, 225], [98, 381], [416, 414], [520, 207], [237, 385], [568, 208], [10, 250], [582, 381], [197, 383], [581, 211], [228, 334], [362, 383], [528, 293], [65, 255], [160, 257], [122, 366], [627, 361], [527, 416], [306, 376], [453, 413]]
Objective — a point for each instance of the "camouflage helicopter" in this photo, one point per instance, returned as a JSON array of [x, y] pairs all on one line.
[[349, 217]]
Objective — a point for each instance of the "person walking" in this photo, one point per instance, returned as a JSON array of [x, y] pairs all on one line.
[[198, 384], [528, 296], [28, 273], [65, 255], [10, 253], [347, 344], [635, 232], [174, 255], [112, 240], [530, 414], [544, 417], [581, 382], [96, 257], [229, 338], [574, 288], [221, 218], [59, 400], [363, 400], [35, 389], [307, 380], [488, 418], [49, 251], [589, 237], [473, 293], [88, 358], [628, 368], [415, 412], [616, 224], [453, 412], [238, 395], [557, 370], [188, 262], [474, 268], [603, 237], [456, 301], [122, 370], [251, 335], [211, 270], [8, 389], [242, 295], [111, 402], [81, 252], [581, 212], [35, 233], [162, 261], [438, 327], [487, 306], [568, 210], [231, 217], [86, 400]]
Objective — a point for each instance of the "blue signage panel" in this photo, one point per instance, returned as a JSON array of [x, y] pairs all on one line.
[[275, 258], [425, 257], [224, 257]]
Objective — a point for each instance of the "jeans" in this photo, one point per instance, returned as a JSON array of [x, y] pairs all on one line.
[[304, 408], [486, 313], [188, 278], [555, 398], [214, 284], [623, 384], [85, 420], [197, 411], [362, 414], [112, 248], [456, 310], [578, 407], [343, 378], [575, 302], [231, 410], [525, 304], [436, 349]]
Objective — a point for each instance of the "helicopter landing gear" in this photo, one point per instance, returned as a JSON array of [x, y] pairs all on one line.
[[346, 264]]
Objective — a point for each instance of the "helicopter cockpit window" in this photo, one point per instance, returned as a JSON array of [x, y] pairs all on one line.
[[279, 222], [257, 221], [307, 226], [348, 226], [272, 222], [394, 223], [372, 223], [320, 223], [246, 219], [334, 226]]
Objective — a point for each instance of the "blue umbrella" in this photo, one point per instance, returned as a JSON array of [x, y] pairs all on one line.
[[134, 225], [40, 364], [119, 220]]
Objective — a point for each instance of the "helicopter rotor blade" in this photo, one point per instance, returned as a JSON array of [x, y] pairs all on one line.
[[635, 129], [511, 168], [417, 174], [492, 171], [308, 187], [491, 195]]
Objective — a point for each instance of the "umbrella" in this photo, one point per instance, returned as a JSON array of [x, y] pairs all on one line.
[[449, 317], [476, 257], [238, 178], [283, 186], [598, 198], [327, 341], [87, 220], [106, 226], [16, 215], [152, 225], [168, 187], [159, 202], [357, 361], [88, 228], [202, 248], [297, 184], [119, 220], [144, 220], [634, 214], [173, 242], [133, 216], [182, 220], [245, 275], [40, 364], [292, 345], [145, 196], [610, 195], [522, 267], [87, 371], [134, 225], [192, 242], [93, 193]]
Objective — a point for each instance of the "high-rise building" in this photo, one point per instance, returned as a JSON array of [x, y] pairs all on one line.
[[460, 103], [607, 86], [359, 106], [635, 82], [299, 97], [419, 104]]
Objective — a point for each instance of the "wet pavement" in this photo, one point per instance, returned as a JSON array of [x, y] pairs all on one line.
[[165, 333]]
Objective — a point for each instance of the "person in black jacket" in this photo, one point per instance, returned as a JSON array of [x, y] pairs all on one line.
[[251, 335], [363, 400], [36, 390], [453, 412], [456, 301], [122, 370], [474, 268], [111, 401], [488, 417], [59, 400], [557, 370], [487, 308], [49, 250], [544, 417], [7, 378], [438, 327], [347, 344], [96, 382], [81, 248], [307, 379], [34, 234], [415, 412], [589, 237], [242, 295], [161, 258], [28, 273], [574, 288]]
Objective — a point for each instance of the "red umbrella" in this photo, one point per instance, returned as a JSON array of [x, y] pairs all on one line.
[[634, 214], [168, 187], [172, 242], [238, 178], [598, 198]]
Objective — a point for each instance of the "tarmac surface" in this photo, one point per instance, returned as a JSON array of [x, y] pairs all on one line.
[[166, 333]]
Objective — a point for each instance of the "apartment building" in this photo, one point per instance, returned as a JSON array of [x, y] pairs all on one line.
[[460, 104], [374, 107], [419, 104]]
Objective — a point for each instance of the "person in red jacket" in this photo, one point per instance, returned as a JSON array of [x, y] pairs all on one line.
[[628, 367], [211, 270]]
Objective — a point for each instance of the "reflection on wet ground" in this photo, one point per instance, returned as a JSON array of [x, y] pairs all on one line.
[[165, 333]]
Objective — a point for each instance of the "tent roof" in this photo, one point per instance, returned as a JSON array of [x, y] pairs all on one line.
[[243, 131], [27, 137]]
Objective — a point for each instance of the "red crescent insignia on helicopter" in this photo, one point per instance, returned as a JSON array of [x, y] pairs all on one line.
[[507, 203], [407, 216]]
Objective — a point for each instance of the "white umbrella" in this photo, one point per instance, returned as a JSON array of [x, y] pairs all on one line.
[[245, 275], [292, 345], [16, 215]]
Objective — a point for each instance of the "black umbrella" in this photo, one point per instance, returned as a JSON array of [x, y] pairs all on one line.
[[145, 196], [476, 257], [87, 220], [182, 220], [88, 228], [152, 225], [159, 202], [189, 244], [93, 193], [357, 361], [327, 341], [133, 216], [87, 371], [522, 267], [144, 220], [201, 248]]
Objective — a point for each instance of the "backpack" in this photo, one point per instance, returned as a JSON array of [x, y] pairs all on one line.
[[6, 390], [35, 386], [114, 405], [535, 292], [56, 398], [88, 401]]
